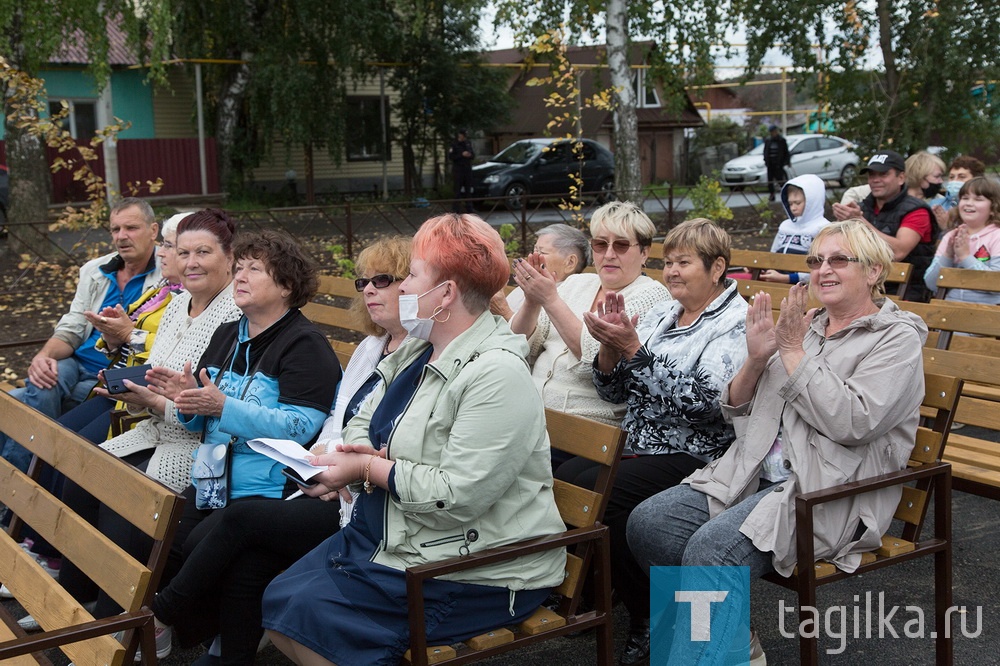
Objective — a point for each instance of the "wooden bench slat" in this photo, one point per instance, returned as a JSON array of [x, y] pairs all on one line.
[[961, 278], [582, 437], [137, 498], [542, 620], [978, 412], [114, 570], [435, 654], [490, 639], [49, 603], [576, 505], [574, 569]]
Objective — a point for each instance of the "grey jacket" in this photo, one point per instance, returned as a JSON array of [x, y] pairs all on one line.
[[472, 458], [848, 412]]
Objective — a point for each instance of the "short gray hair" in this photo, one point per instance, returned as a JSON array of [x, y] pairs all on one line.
[[144, 208], [568, 240]]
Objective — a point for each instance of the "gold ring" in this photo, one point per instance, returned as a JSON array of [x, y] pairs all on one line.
[[104, 320]]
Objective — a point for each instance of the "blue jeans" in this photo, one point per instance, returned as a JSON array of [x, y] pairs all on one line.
[[73, 385], [673, 528]]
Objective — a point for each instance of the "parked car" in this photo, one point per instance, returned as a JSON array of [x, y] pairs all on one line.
[[829, 157], [543, 166]]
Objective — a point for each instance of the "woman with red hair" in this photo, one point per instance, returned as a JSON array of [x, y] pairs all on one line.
[[443, 468]]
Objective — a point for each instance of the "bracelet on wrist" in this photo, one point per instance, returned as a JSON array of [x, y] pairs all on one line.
[[368, 485]]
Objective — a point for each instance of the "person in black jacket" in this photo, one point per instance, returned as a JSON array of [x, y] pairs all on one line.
[[460, 153], [903, 221], [776, 158]]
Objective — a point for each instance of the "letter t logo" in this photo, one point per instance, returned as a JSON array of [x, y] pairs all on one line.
[[701, 610]]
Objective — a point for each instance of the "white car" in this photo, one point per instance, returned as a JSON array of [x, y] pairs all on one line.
[[829, 157]]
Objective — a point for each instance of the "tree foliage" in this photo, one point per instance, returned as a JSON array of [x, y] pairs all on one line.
[[283, 72], [31, 33], [934, 54], [440, 78]]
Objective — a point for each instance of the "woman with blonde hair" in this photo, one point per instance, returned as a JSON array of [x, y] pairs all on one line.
[[562, 348], [443, 468], [826, 396]]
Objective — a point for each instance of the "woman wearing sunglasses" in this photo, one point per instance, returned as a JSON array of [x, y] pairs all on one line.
[[562, 349], [670, 370], [825, 397]]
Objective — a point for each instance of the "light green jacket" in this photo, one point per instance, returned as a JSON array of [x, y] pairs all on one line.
[[472, 457]]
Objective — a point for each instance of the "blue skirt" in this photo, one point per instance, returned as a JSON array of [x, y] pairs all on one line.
[[352, 611]]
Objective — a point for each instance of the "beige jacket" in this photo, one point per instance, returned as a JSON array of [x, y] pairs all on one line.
[[848, 412]]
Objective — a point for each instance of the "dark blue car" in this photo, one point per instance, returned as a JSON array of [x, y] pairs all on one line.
[[543, 166]]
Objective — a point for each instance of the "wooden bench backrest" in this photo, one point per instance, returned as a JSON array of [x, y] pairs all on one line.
[[580, 507], [960, 278], [332, 315], [146, 504], [975, 458], [757, 261], [941, 395]]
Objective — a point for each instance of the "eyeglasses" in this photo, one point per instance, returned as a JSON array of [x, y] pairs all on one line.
[[836, 261], [620, 246], [380, 281], [167, 245]]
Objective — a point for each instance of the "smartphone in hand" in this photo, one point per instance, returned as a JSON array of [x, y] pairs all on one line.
[[294, 476], [115, 378]]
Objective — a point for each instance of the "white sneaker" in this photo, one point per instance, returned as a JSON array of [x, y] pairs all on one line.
[[29, 623], [164, 637]]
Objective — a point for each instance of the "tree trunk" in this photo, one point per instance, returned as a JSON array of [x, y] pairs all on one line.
[[628, 174], [30, 179], [227, 124]]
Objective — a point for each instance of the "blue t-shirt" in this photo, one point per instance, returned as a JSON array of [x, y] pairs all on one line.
[[87, 354]]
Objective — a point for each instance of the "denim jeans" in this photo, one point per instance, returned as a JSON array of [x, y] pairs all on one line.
[[73, 385], [673, 528]]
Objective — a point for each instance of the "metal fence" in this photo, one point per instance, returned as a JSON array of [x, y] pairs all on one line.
[[332, 232]]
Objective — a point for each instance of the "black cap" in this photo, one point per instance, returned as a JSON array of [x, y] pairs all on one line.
[[772, 128], [884, 160], [462, 131]]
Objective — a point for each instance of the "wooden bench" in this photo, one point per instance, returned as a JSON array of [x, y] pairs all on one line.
[[585, 538], [145, 503], [756, 261], [931, 478], [960, 278], [324, 313], [974, 455]]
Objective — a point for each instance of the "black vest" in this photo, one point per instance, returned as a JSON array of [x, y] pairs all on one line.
[[888, 220]]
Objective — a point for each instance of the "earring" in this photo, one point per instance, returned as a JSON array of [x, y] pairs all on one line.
[[438, 310]]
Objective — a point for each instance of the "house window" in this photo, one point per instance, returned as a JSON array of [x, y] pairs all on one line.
[[82, 119], [365, 140], [645, 91]]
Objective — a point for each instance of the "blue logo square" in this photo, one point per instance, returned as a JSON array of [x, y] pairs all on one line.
[[700, 615]]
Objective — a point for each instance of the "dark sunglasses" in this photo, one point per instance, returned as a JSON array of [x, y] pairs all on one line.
[[380, 281], [836, 261], [620, 246]]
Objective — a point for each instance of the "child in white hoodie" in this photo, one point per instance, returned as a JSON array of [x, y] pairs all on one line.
[[803, 198]]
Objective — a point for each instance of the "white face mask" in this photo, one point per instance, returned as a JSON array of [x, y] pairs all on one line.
[[414, 325]]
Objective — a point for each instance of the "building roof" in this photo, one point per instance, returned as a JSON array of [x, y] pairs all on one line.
[[73, 50], [531, 115]]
